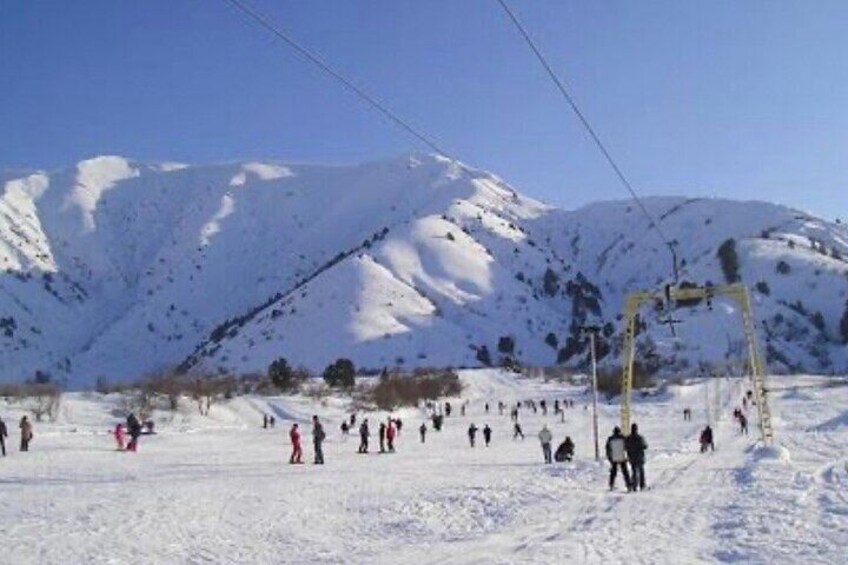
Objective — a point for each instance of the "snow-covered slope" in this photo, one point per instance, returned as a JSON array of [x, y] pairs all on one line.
[[114, 268]]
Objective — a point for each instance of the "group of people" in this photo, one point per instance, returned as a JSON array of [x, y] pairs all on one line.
[[629, 450], [133, 428], [26, 434], [318, 437]]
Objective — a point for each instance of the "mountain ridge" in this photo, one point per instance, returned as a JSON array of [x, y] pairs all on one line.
[[113, 268]]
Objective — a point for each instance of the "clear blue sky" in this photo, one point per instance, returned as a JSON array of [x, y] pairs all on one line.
[[737, 99]]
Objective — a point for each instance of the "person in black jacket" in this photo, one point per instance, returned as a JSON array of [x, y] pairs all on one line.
[[134, 430], [364, 434], [635, 445], [4, 433]]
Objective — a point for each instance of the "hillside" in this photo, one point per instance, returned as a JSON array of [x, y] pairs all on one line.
[[114, 268]]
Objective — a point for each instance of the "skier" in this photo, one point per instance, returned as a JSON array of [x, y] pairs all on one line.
[[544, 406], [687, 414], [297, 451], [472, 433], [345, 428], [707, 439], [516, 431], [447, 409], [462, 409], [617, 456], [398, 425], [3, 435], [271, 419], [264, 421], [390, 436], [422, 431], [438, 419], [487, 434], [513, 415], [382, 433], [636, 445], [134, 429], [743, 424], [556, 406], [565, 451], [119, 436], [352, 419], [364, 434], [500, 407], [545, 437], [26, 433], [318, 437], [487, 408]]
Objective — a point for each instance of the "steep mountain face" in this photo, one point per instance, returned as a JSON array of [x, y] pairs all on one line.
[[115, 268]]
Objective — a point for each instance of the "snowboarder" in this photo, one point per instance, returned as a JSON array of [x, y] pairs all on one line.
[[318, 437], [617, 456], [134, 429], [636, 445], [3, 435], [565, 451], [487, 434], [26, 433], [517, 431], [297, 451], [382, 434], [472, 433], [545, 437], [119, 436], [707, 439], [422, 431], [390, 435], [364, 434]]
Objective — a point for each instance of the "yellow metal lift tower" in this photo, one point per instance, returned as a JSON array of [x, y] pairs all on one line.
[[737, 292]]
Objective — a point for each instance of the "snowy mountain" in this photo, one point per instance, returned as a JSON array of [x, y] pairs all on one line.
[[114, 268]]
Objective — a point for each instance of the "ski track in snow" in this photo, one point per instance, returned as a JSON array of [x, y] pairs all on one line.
[[223, 493]]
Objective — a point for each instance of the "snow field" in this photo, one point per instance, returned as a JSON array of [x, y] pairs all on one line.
[[218, 489]]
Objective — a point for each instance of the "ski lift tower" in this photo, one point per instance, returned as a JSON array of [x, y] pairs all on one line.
[[736, 292]]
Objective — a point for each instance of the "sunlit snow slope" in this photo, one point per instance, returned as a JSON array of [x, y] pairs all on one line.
[[114, 268]]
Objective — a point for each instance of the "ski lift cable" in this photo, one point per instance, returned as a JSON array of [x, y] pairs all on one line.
[[318, 62], [585, 122]]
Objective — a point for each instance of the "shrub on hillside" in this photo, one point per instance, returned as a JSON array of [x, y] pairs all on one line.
[[783, 268], [506, 345], [340, 374], [729, 260], [282, 376], [393, 391]]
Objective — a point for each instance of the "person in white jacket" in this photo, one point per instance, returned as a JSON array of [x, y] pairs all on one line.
[[545, 436], [617, 456]]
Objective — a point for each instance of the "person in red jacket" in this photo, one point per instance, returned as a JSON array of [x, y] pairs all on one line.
[[119, 436], [390, 435], [297, 452]]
